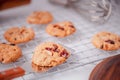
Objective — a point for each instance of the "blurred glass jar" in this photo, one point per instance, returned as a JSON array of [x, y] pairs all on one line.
[[97, 11]]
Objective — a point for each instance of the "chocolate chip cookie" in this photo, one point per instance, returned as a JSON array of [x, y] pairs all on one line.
[[61, 29], [106, 41], [9, 53], [40, 17], [49, 54], [17, 35]]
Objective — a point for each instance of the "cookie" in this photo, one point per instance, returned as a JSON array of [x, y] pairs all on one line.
[[40, 17], [49, 54], [61, 29], [9, 53], [106, 41], [38, 68], [18, 35]]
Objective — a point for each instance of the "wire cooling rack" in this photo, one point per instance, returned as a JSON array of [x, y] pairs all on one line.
[[84, 52]]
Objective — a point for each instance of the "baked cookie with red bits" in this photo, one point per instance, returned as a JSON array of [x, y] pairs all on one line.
[[9, 53], [106, 41], [40, 17], [48, 55], [61, 29], [16, 35]]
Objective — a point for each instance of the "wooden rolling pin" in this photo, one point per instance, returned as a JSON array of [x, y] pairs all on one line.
[[6, 4], [108, 69]]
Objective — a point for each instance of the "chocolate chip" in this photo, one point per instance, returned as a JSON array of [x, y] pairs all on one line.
[[12, 44], [15, 39], [11, 33], [71, 26], [56, 35], [14, 49], [22, 31], [101, 47], [55, 26], [64, 53], [59, 27], [119, 40], [3, 43], [110, 41], [2, 59], [49, 49]]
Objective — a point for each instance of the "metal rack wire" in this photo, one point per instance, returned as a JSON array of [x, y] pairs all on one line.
[[85, 52]]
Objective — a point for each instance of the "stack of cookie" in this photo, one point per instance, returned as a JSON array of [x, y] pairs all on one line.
[[48, 55]]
